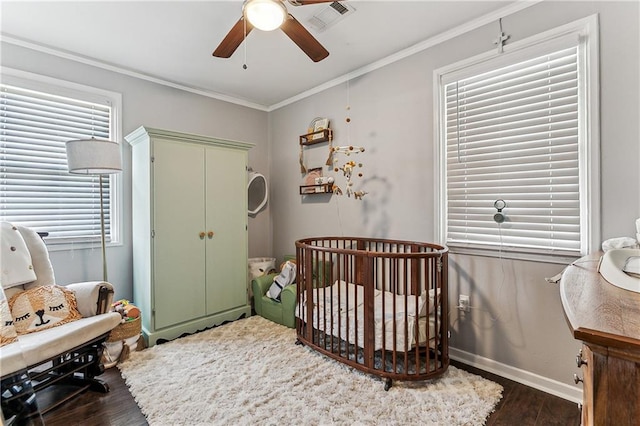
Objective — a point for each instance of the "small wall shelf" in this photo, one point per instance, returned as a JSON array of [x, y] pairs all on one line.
[[324, 188], [324, 135]]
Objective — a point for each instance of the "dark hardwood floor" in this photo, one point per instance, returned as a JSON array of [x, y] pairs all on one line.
[[117, 407], [520, 405], [525, 406]]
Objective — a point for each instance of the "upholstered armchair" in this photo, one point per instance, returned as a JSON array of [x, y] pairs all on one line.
[[56, 332], [281, 312]]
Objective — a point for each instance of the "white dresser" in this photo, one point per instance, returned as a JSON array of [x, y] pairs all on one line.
[[189, 231]]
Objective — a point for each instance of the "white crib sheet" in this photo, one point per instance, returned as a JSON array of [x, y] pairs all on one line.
[[346, 319]]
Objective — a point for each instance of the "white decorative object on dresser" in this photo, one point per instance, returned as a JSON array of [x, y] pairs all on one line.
[[189, 231]]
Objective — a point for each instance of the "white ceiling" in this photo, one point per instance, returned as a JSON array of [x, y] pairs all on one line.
[[173, 40]]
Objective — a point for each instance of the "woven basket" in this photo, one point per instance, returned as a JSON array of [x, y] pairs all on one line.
[[125, 330]]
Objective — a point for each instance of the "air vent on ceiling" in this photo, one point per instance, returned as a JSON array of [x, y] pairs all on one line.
[[330, 15]]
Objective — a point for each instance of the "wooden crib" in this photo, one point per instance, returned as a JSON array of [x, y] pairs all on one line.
[[376, 305]]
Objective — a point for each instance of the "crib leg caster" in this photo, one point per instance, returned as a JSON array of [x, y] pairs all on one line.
[[387, 384], [298, 342]]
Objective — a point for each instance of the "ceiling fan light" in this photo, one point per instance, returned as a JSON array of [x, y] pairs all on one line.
[[265, 15]]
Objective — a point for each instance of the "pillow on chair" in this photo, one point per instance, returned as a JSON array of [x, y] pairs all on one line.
[[44, 307], [7, 330], [287, 277]]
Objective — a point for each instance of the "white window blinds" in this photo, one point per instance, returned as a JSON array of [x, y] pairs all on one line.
[[36, 188], [512, 134]]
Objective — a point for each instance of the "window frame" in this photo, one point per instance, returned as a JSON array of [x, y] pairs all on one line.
[[586, 32], [58, 87]]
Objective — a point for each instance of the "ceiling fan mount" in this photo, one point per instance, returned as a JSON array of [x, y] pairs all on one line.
[[269, 15]]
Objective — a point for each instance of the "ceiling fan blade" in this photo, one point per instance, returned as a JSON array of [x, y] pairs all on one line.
[[303, 2], [233, 39], [303, 38]]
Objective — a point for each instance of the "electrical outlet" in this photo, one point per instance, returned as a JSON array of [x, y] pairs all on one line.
[[463, 303]]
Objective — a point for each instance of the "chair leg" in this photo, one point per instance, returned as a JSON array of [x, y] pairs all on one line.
[[18, 399], [77, 367]]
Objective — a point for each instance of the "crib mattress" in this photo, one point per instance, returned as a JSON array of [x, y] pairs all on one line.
[[399, 322]]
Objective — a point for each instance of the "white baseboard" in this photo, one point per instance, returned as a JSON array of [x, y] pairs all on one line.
[[527, 378]]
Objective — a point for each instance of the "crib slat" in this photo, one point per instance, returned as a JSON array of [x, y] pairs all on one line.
[[369, 332]]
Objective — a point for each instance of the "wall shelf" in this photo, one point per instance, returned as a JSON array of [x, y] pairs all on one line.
[[324, 188], [319, 136]]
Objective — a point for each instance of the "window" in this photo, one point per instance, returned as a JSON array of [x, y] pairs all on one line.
[[38, 116], [518, 127]]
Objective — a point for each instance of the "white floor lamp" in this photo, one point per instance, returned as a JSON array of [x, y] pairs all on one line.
[[95, 157]]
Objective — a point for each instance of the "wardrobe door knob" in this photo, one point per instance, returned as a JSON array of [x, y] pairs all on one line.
[[210, 234], [577, 379], [202, 234]]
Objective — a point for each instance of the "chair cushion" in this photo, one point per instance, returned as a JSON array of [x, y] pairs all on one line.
[[44, 307], [271, 309], [38, 347], [39, 258], [15, 259]]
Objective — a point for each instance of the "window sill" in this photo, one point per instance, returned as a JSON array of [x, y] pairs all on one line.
[[78, 245], [562, 258]]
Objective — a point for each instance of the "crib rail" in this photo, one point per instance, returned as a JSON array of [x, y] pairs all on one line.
[[377, 305]]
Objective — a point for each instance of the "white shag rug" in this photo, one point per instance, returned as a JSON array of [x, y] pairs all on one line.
[[251, 372]]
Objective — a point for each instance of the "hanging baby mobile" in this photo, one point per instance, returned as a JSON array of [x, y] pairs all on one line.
[[340, 159], [350, 168]]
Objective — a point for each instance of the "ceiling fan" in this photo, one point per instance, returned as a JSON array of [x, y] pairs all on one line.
[[268, 15]]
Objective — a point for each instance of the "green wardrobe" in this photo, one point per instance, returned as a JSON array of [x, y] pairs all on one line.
[[189, 231]]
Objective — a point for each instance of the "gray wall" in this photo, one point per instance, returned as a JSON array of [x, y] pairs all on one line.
[[517, 320], [153, 105]]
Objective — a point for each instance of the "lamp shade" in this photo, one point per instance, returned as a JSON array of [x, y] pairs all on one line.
[[93, 157], [265, 15]]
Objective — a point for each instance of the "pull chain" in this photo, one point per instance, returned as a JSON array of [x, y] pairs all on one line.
[[244, 24]]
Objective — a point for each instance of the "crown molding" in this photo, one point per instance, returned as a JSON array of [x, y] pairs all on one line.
[[419, 47], [7, 38], [416, 48]]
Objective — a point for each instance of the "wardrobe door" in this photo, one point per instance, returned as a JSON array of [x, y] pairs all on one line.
[[178, 224], [226, 218]]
